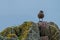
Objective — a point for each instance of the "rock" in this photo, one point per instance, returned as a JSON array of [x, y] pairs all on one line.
[[33, 33]]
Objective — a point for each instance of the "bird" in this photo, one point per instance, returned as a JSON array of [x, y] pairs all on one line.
[[41, 15]]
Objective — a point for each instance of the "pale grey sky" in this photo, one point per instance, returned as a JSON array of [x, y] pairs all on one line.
[[15, 12]]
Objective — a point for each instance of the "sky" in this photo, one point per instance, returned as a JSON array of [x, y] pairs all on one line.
[[15, 12]]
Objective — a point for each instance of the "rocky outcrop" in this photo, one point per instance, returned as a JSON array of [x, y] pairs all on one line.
[[31, 31]]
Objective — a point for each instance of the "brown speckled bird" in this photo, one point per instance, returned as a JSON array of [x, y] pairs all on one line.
[[41, 15]]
